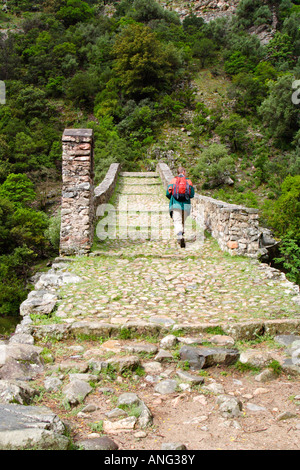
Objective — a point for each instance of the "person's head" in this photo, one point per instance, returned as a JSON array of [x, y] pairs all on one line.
[[181, 171]]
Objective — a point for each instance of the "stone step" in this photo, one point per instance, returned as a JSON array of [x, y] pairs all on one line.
[[145, 174], [134, 182]]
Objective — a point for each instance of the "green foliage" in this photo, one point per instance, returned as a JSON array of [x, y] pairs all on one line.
[[205, 50], [18, 188], [280, 49], [215, 164], [279, 114], [52, 233], [142, 65], [233, 131], [286, 216], [289, 258], [74, 11]]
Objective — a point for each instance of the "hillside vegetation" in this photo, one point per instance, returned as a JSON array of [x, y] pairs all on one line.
[[211, 96]]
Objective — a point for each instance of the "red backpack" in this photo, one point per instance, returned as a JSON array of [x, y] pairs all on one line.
[[181, 189]]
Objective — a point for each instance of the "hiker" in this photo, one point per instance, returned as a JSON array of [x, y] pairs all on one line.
[[180, 191]]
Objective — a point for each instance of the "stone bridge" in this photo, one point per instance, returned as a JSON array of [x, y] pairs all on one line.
[[114, 336], [236, 228]]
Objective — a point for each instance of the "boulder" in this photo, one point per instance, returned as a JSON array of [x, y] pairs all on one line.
[[76, 391], [31, 427], [199, 358], [16, 392], [39, 302], [97, 443]]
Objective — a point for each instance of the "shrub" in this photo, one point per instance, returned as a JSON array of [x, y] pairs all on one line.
[[215, 164]]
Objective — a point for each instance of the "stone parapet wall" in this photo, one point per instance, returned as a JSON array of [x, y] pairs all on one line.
[[104, 191], [236, 228], [165, 174], [77, 209]]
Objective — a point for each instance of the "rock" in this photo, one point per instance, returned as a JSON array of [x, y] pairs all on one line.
[[153, 367], [22, 338], [256, 358], [166, 322], [84, 377], [76, 391], [265, 376], [215, 388], [296, 356], [130, 400], [90, 408], [254, 407], [173, 446], [55, 331], [140, 434], [222, 340], [52, 384], [286, 340], [124, 363], [53, 279], [115, 414], [38, 302], [193, 379], [98, 443], [229, 407], [192, 356], [21, 361], [290, 368], [199, 358], [145, 419], [244, 331], [166, 386], [123, 425], [140, 348], [30, 427], [16, 392], [163, 356], [70, 364], [168, 341], [92, 328], [286, 415]]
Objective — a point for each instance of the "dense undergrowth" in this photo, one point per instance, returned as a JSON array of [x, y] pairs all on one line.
[[131, 77]]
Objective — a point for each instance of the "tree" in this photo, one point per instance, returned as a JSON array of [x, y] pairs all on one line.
[[278, 112], [233, 131], [18, 188], [205, 50], [286, 216], [74, 11], [215, 164], [142, 65], [280, 49]]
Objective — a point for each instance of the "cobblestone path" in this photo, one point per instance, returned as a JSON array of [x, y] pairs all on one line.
[[139, 272]]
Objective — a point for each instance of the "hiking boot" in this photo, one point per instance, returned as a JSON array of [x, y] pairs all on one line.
[[179, 238]]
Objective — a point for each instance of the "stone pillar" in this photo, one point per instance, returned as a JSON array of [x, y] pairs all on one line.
[[77, 205]]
